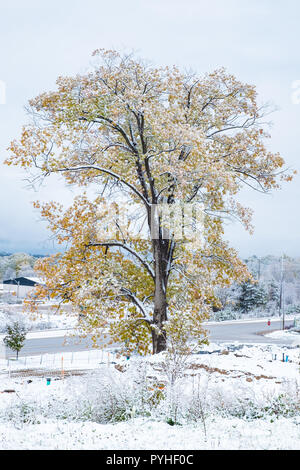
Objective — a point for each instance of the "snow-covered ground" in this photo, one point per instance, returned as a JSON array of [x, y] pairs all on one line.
[[227, 396], [45, 319], [284, 334]]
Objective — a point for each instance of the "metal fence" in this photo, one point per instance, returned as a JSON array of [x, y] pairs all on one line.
[[58, 364]]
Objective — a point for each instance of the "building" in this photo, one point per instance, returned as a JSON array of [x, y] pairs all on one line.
[[20, 286]]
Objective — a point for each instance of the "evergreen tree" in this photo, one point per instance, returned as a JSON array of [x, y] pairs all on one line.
[[251, 296], [16, 335], [274, 293]]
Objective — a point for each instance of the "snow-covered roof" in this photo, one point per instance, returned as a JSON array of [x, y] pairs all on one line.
[[24, 281], [38, 280]]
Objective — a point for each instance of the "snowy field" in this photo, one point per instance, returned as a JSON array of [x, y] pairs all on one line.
[[45, 319], [227, 396]]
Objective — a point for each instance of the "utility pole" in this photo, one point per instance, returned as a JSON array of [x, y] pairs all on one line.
[[258, 272], [282, 293]]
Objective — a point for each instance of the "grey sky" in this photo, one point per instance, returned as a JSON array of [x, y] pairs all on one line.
[[257, 40]]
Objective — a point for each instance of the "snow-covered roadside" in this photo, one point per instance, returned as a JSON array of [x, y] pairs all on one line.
[[230, 396], [249, 400], [283, 334], [50, 333], [264, 319], [45, 319], [68, 361]]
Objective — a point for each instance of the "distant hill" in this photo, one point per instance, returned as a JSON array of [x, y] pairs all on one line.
[[35, 255]]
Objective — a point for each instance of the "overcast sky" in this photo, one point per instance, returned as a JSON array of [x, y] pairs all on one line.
[[257, 40]]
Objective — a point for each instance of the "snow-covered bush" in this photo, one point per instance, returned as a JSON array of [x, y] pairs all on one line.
[[227, 313], [293, 309], [244, 402], [281, 405], [140, 388], [22, 413]]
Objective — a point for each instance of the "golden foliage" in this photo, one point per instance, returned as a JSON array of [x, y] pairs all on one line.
[[153, 136]]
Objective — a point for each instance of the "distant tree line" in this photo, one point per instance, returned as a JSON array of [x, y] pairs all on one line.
[[275, 287], [16, 265]]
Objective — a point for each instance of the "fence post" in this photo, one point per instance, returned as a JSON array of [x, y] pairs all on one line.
[[62, 367]]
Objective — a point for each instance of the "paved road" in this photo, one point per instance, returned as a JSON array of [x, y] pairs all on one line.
[[243, 332], [247, 332], [39, 346]]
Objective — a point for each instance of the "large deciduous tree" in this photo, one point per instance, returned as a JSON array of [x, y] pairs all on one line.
[[151, 138]]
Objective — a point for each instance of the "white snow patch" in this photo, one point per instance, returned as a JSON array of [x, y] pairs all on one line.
[[248, 396]]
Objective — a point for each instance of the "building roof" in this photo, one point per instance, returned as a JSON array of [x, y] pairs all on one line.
[[24, 281]]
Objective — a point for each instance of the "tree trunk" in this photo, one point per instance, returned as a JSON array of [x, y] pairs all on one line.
[[159, 340]]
